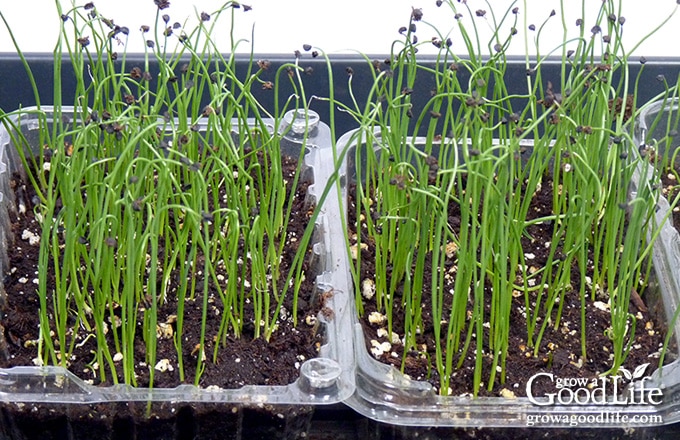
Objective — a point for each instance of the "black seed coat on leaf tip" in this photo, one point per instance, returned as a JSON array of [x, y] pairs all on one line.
[[162, 4]]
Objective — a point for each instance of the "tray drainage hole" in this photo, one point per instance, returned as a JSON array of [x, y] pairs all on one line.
[[321, 372], [297, 122]]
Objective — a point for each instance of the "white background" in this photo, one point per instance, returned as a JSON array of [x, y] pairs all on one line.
[[368, 26]]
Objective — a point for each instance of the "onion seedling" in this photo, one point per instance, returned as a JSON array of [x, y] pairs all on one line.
[[163, 192], [446, 187]]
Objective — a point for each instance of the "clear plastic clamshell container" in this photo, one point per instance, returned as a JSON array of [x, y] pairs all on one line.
[[386, 395], [325, 379]]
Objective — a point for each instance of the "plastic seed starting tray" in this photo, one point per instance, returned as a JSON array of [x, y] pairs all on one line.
[[386, 395], [325, 379]]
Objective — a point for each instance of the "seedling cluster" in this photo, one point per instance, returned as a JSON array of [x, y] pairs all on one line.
[[168, 187], [450, 188]]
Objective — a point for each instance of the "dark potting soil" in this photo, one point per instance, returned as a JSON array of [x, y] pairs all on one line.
[[161, 420], [560, 349], [242, 361]]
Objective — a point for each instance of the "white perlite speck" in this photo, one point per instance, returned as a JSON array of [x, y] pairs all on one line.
[[378, 349], [601, 306], [507, 394], [368, 288], [29, 236], [164, 365], [377, 318], [213, 388]]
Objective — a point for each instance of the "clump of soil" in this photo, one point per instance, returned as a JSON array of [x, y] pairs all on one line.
[[560, 348], [615, 106]]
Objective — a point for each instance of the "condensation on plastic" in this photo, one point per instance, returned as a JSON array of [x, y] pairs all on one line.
[[325, 379], [386, 395]]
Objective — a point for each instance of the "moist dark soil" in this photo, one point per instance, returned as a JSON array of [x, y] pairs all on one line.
[[559, 350], [245, 360], [166, 420]]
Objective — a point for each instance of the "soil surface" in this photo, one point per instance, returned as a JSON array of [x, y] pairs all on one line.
[[242, 361], [560, 349]]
